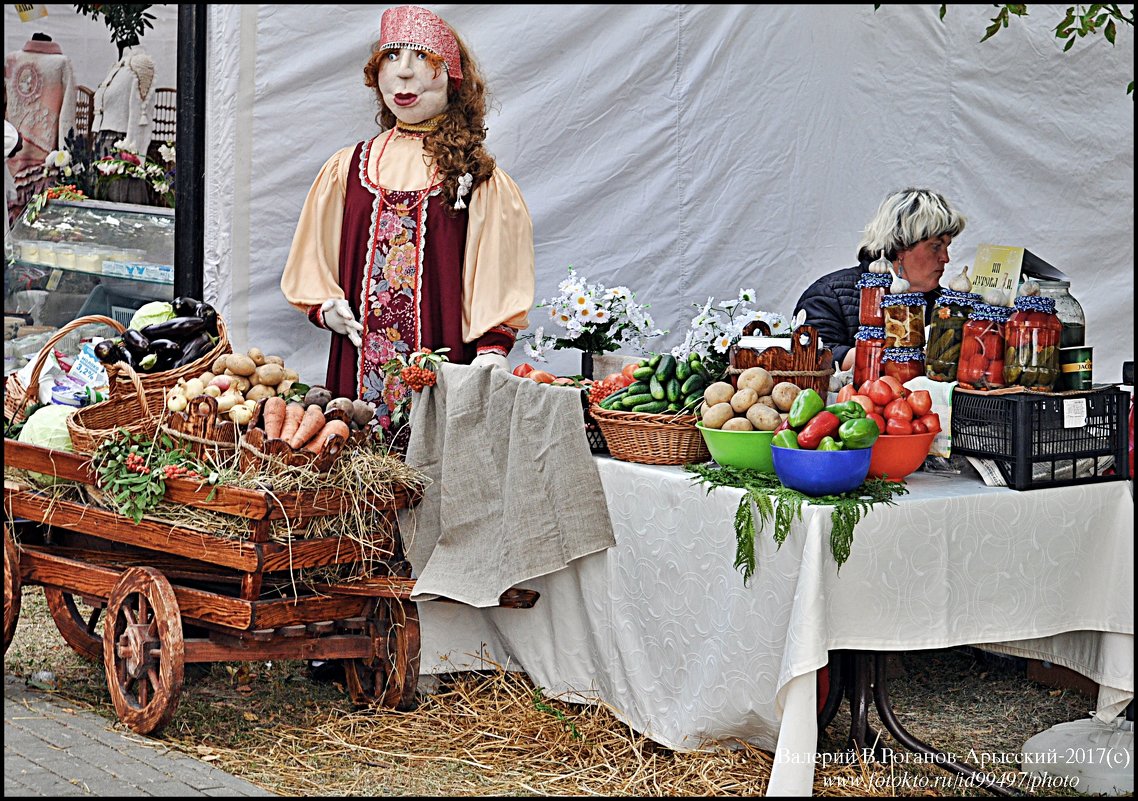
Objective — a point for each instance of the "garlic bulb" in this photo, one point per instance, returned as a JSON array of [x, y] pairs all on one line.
[[1028, 287], [995, 297], [961, 283], [899, 284], [881, 265]]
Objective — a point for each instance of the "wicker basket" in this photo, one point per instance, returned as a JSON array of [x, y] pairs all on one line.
[[209, 436], [130, 410], [651, 438], [17, 397]]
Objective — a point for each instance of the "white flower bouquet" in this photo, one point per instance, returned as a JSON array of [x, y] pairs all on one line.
[[718, 326]]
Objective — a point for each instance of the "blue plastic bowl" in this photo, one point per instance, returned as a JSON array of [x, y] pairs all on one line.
[[818, 473]]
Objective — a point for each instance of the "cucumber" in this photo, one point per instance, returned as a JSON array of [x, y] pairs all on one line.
[[643, 373], [656, 388], [613, 398], [672, 390], [636, 387], [693, 383], [683, 369], [698, 368], [651, 407], [629, 401], [666, 368], [673, 406], [654, 360]]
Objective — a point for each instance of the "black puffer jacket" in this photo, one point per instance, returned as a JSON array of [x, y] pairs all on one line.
[[832, 304]]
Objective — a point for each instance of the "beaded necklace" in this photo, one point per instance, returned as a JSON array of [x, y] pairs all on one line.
[[422, 193]]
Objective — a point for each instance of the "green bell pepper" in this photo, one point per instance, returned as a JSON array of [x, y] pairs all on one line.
[[786, 438], [807, 403], [861, 432], [849, 410], [829, 444]]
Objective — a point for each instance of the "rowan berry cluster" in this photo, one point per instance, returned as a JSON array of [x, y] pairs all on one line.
[[418, 377], [179, 471], [135, 463]]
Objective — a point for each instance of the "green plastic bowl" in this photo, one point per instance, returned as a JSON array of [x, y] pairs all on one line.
[[739, 448]]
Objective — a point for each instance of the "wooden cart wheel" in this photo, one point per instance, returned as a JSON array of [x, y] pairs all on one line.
[[390, 675], [80, 634], [143, 650], [12, 588]]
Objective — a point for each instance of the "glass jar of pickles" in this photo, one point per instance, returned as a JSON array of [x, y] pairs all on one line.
[[981, 363], [903, 363], [869, 341], [872, 286], [903, 316], [950, 313], [1031, 344]]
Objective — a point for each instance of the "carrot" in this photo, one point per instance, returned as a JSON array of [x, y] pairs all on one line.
[[310, 425], [294, 412], [274, 413], [331, 428]]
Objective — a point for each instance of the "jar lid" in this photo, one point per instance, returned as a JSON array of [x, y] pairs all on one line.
[[870, 332], [1035, 303], [868, 280], [986, 311], [958, 298], [904, 299], [902, 354]]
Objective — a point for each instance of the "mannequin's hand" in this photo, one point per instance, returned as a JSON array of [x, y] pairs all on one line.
[[491, 360], [338, 317]]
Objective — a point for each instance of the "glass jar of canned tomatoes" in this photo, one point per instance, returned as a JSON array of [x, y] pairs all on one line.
[[946, 331], [1031, 344], [869, 341], [903, 363], [872, 286], [904, 320], [982, 347]]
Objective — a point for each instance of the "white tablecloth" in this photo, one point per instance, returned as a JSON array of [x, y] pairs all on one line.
[[662, 629]]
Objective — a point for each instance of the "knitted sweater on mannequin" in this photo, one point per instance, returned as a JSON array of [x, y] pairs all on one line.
[[124, 101], [41, 103]]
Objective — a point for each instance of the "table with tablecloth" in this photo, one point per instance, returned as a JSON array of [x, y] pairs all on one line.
[[662, 628]]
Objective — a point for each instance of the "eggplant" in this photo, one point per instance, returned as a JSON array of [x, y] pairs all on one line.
[[167, 353], [108, 351], [209, 314], [194, 349], [184, 306], [180, 329], [134, 342]]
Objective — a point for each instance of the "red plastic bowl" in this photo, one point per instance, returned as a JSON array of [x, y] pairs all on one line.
[[897, 455]]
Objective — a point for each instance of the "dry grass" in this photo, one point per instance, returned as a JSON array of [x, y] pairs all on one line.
[[494, 733]]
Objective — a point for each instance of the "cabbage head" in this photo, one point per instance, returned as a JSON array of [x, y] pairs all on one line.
[[158, 311], [47, 428]]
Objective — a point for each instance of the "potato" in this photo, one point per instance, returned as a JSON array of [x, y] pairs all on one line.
[[206, 377], [343, 404], [743, 400], [285, 387], [717, 415], [362, 412], [766, 400], [268, 374], [784, 394], [238, 364], [703, 407], [758, 379], [257, 355], [240, 383], [259, 391], [193, 387], [219, 364], [738, 424], [291, 375], [763, 417], [719, 392], [275, 360]]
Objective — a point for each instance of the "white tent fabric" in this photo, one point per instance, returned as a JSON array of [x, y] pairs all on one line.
[[688, 151]]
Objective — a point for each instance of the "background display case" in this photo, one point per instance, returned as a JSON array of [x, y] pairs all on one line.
[[78, 258]]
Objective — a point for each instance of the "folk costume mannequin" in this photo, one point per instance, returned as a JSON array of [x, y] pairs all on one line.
[[39, 85], [415, 238]]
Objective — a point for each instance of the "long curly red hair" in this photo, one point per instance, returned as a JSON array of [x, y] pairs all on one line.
[[457, 144]]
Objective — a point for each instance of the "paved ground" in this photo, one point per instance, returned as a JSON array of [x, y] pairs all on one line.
[[52, 750]]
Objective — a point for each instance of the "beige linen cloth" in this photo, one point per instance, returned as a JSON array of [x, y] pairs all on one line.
[[514, 492]]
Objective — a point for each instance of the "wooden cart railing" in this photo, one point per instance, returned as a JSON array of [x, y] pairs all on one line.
[[173, 594]]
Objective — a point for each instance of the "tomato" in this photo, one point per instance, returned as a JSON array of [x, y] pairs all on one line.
[[995, 373], [931, 421], [865, 402], [918, 426], [899, 409], [618, 380], [921, 401], [523, 369], [562, 381], [627, 371], [875, 417], [541, 376], [880, 392], [864, 388], [893, 426], [845, 393], [899, 389]]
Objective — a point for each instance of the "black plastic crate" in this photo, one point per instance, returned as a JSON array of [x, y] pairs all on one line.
[[1045, 440], [597, 442]]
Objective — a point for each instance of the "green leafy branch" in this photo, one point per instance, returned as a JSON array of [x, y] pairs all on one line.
[[126, 22], [783, 506]]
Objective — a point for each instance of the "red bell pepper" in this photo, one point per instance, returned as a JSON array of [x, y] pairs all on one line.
[[823, 424]]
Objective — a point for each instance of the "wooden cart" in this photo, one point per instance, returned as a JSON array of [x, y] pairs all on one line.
[[170, 595]]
